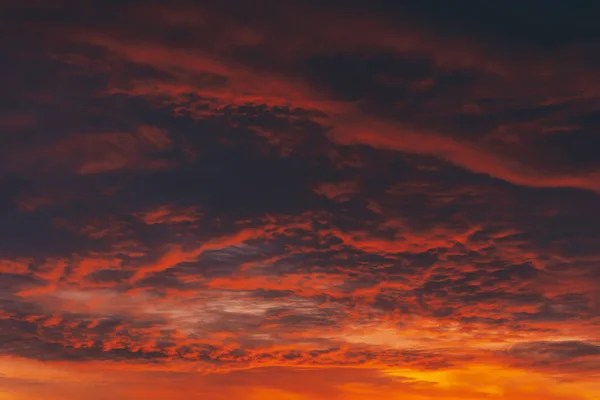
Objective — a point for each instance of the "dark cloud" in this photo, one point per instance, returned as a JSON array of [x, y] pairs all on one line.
[[548, 353]]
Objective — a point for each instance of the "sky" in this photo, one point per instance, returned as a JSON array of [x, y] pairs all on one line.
[[299, 200]]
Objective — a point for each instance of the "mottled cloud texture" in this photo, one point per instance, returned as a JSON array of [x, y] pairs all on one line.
[[260, 200]]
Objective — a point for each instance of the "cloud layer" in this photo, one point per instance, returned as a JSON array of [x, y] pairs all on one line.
[[299, 200]]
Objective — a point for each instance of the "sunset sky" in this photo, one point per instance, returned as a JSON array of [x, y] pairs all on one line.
[[300, 200]]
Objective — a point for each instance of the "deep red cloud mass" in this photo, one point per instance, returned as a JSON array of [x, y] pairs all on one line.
[[299, 200]]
